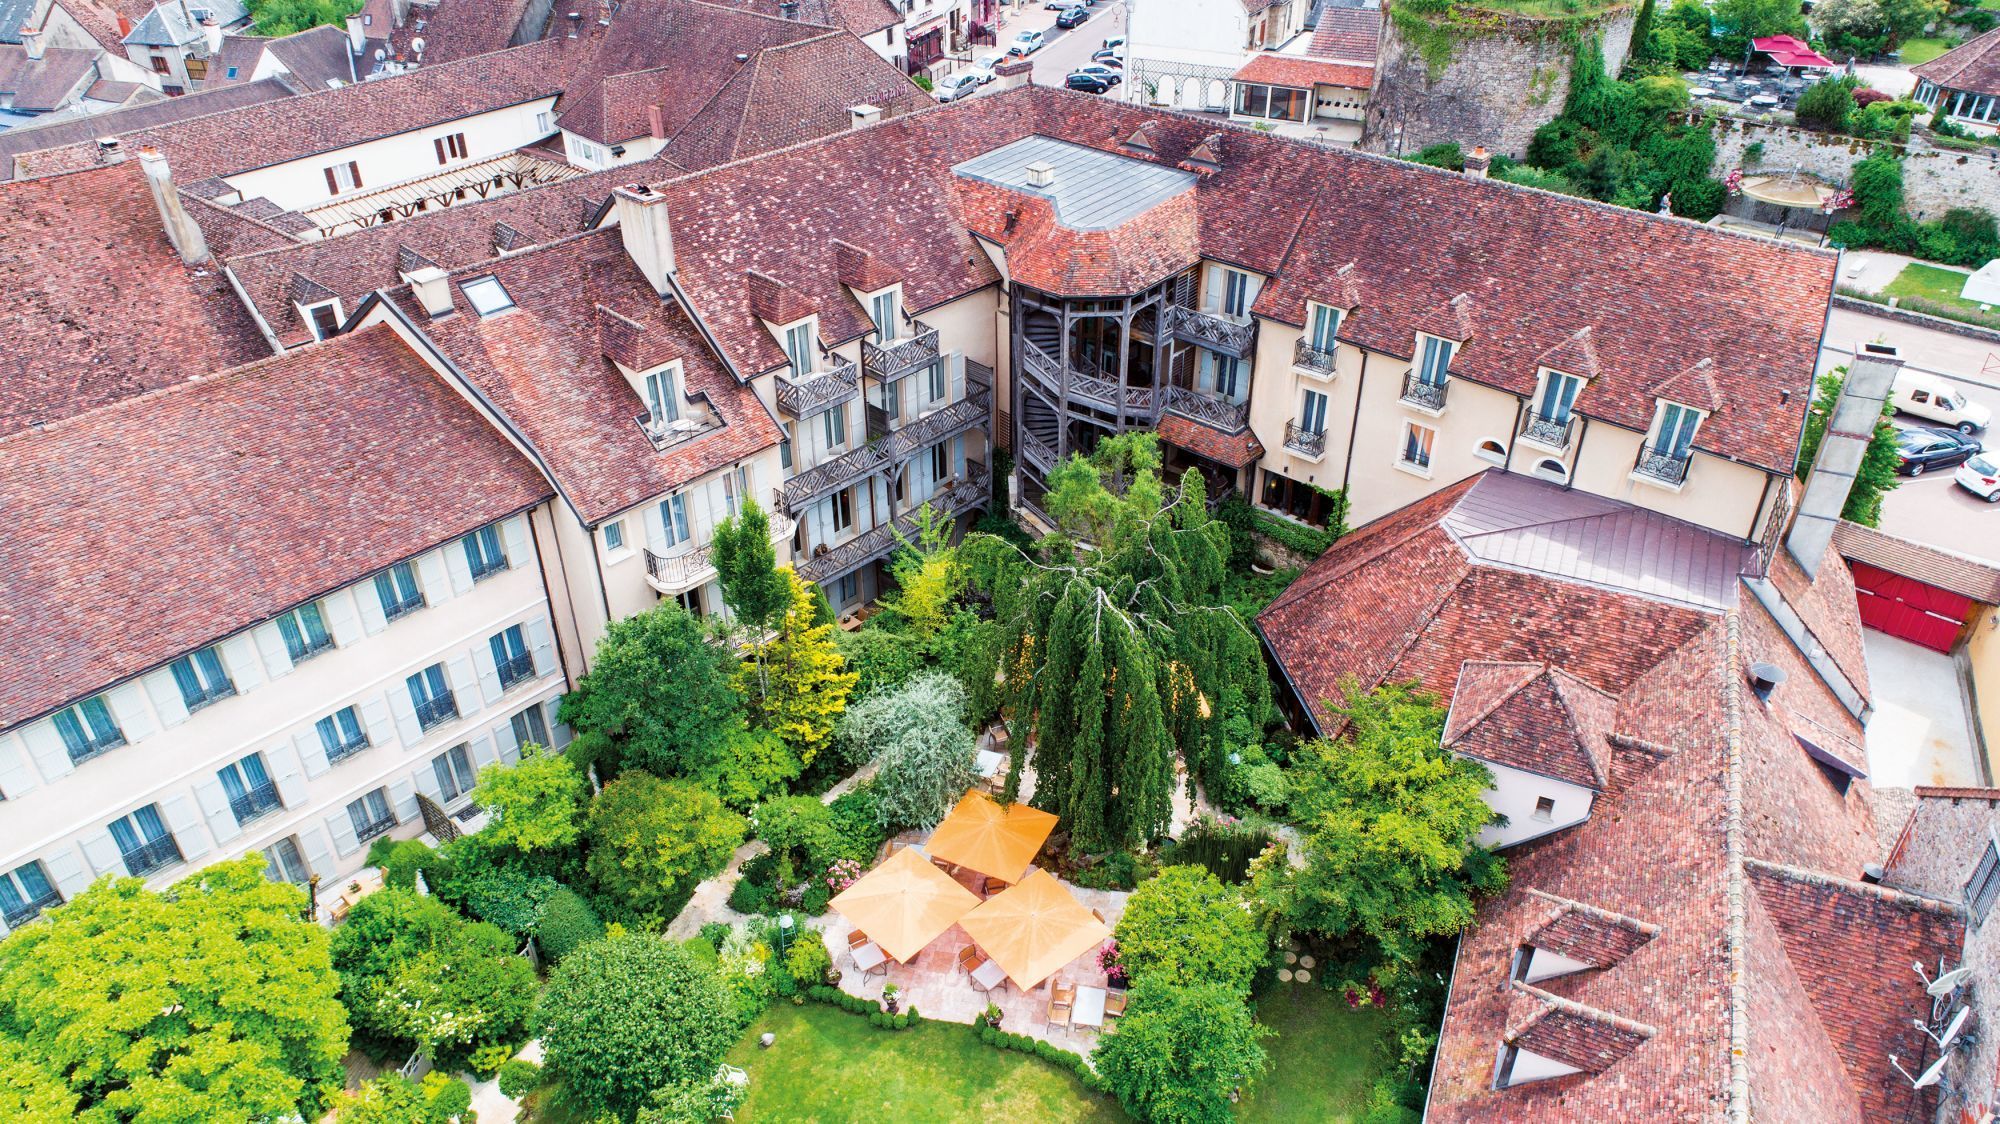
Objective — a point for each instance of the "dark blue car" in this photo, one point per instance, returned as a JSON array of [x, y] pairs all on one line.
[[1073, 17]]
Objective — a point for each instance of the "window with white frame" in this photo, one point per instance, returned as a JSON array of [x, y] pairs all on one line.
[[1312, 412], [1220, 375], [24, 893], [545, 122], [324, 318], [530, 726], [1271, 103], [304, 632], [201, 678], [614, 536], [249, 788], [674, 520], [941, 461], [735, 489], [1673, 431], [939, 383], [1232, 291], [841, 504], [663, 396], [1323, 328], [283, 862], [1417, 441], [144, 841], [483, 553], [1434, 360], [396, 588], [836, 427], [87, 729], [511, 658], [430, 695], [882, 310], [341, 734], [1553, 402], [799, 348], [345, 176], [455, 776], [370, 814]]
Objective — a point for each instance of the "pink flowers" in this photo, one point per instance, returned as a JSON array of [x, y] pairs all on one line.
[[1114, 969], [1733, 182], [842, 874]]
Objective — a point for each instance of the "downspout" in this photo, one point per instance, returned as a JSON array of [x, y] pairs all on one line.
[[1353, 426], [1514, 436], [1569, 481], [549, 594]]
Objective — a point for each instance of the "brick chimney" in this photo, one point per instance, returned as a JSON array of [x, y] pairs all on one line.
[[433, 289], [1477, 162], [181, 230], [32, 40], [643, 226], [1869, 379], [1012, 72]]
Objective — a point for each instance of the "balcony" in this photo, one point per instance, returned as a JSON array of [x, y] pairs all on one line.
[[151, 856], [1426, 396], [256, 802], [369, 831], [819, 392], [1230, 335], [953, 498], [1305, 442], [19, 915], [970, 412], [1658, 466], [433, 712], [1315, 362], [96, 747], [1550, 433], [346, 749], [889, 362], [673, 574], [515, 669], [1229, 417], [692, 423]]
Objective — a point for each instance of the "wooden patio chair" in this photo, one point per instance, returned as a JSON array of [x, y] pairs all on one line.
[[970, 959], [1063, 993], [1059, 1009], [1114, 1002], [855, 939]]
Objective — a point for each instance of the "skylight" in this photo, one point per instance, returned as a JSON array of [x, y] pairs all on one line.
[[486, 295]]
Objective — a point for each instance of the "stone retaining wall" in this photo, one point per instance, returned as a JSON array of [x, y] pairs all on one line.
[[1934, 179]]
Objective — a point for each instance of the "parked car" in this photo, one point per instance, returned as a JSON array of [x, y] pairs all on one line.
[[1088, 83], [1922, 449], [955, 86], [1027, 43], [1106, 58], [1935, 399], [1073, 17], [1981, 477], [983, 67], [1107, 75], [1057, 5]]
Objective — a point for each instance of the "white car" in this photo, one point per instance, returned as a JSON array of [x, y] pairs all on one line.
[[955, 86], [1027, 43], [1981, 476], [982, 67], [1930, 397]]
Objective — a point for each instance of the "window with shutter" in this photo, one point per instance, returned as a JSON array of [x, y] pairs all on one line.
[[87, 730], [341, 734], [24, 893], [305, 632], [531, 727], [1985, 884]]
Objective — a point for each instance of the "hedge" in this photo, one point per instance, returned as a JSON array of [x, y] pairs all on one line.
[[834, 997], [1309, 541], [520, 1077], [1047, 1051]]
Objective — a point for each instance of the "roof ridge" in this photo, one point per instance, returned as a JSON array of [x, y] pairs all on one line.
[[1499, 701], [1598, 912], [1584, 1010], [1886, 894], [245, 217], [1736, 932], [1576, 732]]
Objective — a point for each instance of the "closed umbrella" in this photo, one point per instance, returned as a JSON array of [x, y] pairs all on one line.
[[991, 838], [904, 904], [1032, 929]]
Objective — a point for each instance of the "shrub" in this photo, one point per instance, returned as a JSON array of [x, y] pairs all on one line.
[[567, 924], [800, 832], [631, 1014], [1185, 927], [807, 960], [1447, 155], [536, 804], [1309, 541], [919, 734], [415, 975], [1226, 850], [857, 824], [519, 1077], [506, 896], [1827, 104], [1179, 1052], [487, 1060], [652, 840], [450, 1101], [714, 933], [401, 859], [751, 898]]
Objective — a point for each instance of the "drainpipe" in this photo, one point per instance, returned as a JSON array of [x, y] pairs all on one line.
[[1353, 427]]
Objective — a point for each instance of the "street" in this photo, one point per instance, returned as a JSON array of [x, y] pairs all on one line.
[[1932, 509], [1063, 51]]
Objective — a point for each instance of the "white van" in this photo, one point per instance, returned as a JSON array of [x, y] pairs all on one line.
[[1932, 398]]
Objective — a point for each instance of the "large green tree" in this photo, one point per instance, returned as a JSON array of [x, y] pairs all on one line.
[[1179, 1051], [747, 566], [1183, 926], [651, 840], [659, 693], [918, 733], [1877, 475], [1389, 820], [416, 975], [536, 804], [625, 1016], [213, 1001], [795, 681], [1113, 647]]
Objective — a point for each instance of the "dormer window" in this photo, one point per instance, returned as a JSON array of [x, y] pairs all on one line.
[[663, 395], [487, 295], [324, 318], [1670, 445], [1324, 327], [1434, 360], [884, 311], [1551, 417], [1230, 291], [799, 348]]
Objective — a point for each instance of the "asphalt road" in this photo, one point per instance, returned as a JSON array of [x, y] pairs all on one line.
[[1932, 509], [1063, 51]]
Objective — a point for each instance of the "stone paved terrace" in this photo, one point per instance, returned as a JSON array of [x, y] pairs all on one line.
[[938, 988]]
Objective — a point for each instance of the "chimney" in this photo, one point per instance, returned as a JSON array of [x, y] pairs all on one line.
[[648, 237], [124, 26], [656, 121], [110, 151], [357, 40], [1017, 70], [1855, 414], [32, 40], [863, 115], [1764, 679], [433, 289], [181, 230], [1041, 173], [1477, 162]]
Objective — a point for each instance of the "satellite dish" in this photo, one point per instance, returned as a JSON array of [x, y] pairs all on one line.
[[380, 54], [1930, 1076], [1947, 983], [417, 44]]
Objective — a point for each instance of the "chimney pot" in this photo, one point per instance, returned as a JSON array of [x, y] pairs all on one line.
[[1041, 173], [32, 40], [863, 115], [1477, 162], [648, 236], [181, 230], [433, 289]]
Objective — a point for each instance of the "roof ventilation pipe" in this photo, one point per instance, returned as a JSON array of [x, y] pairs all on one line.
[[1764, 679]]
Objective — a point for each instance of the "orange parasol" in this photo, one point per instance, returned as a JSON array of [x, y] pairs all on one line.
[[904, 904], [1032, 929], [989, 838]]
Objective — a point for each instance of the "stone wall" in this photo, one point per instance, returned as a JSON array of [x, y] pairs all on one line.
[[1507, 76], [1934, 179]]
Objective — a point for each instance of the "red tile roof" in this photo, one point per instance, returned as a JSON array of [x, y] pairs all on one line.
[[1303, 72], [862, 17], [1571, 1033], [543, 366], [316, 58], [1533, 717], [1232, 449], [1589, 935], [56, 79], [1967, 577], [1347, 34], [1973, 65], [459, 29], [284, 479], [21, 146], [102, 307]]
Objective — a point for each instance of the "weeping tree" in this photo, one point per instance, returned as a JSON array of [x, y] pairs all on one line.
[[1112, 647]]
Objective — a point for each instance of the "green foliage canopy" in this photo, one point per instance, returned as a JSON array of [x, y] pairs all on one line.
[[1184, 927], [918, 733], [659, 692], [747, 566], [417, 975], [651, 840], [1877, 475], [536, 804], [1178, 1052]]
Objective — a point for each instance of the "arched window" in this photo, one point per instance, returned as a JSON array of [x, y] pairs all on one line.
[[1491, 450], [1549, 468]]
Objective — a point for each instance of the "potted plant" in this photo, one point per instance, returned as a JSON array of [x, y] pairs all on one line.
[[889, 992], [992, 1015]]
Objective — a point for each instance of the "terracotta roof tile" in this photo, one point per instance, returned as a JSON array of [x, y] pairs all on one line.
[[1573, 356], [860, 270], [41, 85], [1571, 1033], [1533, 717], [1303, 72], [775, 301], [1973, 65], [103, 308], [1695, 387], [1347, 34], [285, 479], [1967, 577], [22, 151], [1584, 933], [1232, 449], [459, 29], [861, 17]]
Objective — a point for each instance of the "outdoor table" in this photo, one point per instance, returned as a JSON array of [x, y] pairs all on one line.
[[989, 975], [869, 957], [1089, 1008], [1699, 91]]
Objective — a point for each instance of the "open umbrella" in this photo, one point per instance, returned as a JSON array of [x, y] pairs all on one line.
[[990, 838], [904, 904], [1032, 929]]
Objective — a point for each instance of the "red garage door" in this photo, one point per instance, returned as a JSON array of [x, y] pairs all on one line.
[[1908, 608]]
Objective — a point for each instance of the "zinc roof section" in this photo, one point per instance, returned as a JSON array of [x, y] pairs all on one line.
[[1093, 189]]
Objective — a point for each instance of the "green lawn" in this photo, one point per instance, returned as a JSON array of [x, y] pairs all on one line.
[[1323, 1059], [1923, 50], [829, 1065], [1931, 283]]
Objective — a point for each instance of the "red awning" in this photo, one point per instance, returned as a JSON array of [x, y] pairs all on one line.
[[1789, 50]]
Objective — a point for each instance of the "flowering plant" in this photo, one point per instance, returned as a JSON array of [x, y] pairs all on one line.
[[1114, 968], [842, 874], [1733, 182]]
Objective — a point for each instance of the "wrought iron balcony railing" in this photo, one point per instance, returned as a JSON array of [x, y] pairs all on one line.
[[1301, 440], [19, 915], [1418, 391], [151, 856], [1214, 331], [441, 709], [815, 394], [1661, 465], [1316, 360], [515, 669], [96, 746], [346, 749], [1207, 409], [256, 802], [691, 424], [369, 831], [1548, 432], [891, 361], [953, 498], [677, 573]]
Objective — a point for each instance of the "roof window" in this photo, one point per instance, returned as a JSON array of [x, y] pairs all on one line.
[[487, 296]]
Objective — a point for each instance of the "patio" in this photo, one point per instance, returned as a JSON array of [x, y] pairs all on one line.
[[934, 982]]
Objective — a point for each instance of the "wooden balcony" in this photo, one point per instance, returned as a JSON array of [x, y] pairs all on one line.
[[1226, 334], [1217, 413], [891, 361], [699, 419], [817, 393], [968, 413], [953, 498]]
